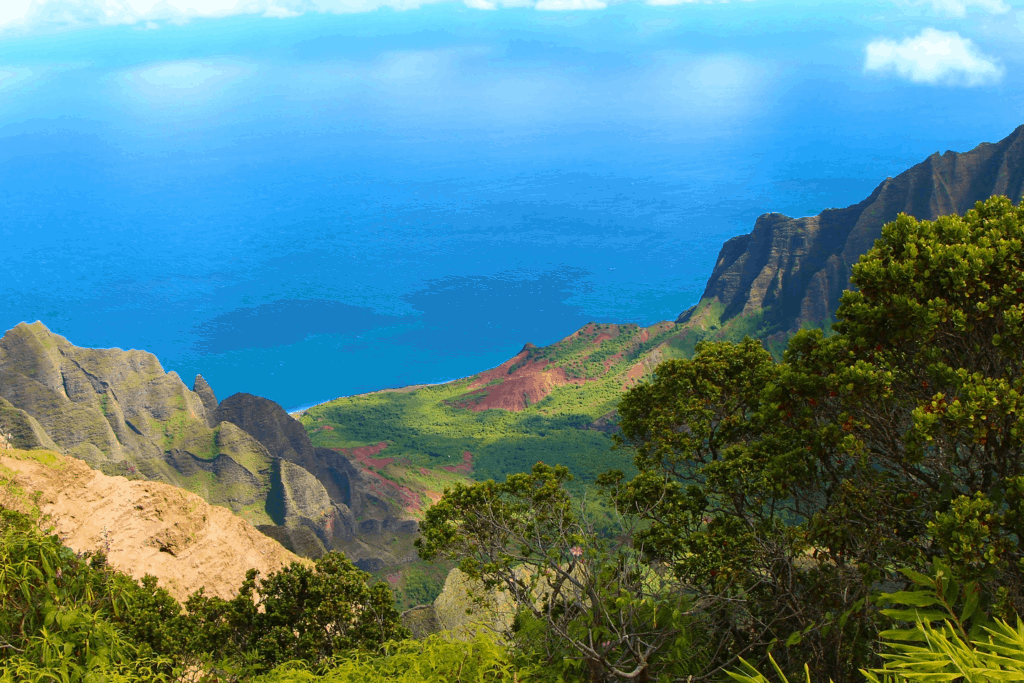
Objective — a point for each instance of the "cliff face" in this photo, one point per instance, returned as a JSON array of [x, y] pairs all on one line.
[[790, 272], [123, 415], [319, 497]]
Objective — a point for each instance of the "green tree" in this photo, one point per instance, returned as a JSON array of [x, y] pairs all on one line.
[[726, 488], [783, 494], [587, 604], [298, 613]]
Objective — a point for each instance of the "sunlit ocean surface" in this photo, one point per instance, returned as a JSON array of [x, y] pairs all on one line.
[[323, 206]]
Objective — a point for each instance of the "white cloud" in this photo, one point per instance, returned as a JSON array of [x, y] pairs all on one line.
[[568, 5], [13, 10], [959, 8], [933, 57], [31, 13]]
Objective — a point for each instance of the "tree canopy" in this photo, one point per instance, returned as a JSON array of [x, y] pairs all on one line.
[[785, 497], [792, 490]]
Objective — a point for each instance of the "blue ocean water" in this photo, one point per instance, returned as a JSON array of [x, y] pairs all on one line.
[[328, 205]]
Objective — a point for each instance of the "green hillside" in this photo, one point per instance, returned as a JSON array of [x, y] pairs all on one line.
[[558, 406]]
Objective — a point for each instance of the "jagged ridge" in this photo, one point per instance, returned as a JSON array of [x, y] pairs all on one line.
[[122, 414], [789, 273]]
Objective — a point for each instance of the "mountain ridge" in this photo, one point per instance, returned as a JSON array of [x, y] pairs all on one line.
[[120, 413], [789, 273]]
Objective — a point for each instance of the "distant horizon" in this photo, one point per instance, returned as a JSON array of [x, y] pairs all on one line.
[[304, 199]]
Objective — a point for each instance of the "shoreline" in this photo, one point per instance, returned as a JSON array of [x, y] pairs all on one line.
[[297, 412]]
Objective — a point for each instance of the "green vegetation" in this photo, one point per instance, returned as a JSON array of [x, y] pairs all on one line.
[[781, 497], [588, 605], [433, 426], [425, 431], [434, 659], [71, 618], [947, 642]]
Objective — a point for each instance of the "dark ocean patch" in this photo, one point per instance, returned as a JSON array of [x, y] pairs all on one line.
[[516, 306], [280, 323]]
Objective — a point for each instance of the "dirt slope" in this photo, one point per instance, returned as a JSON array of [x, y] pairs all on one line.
[[146, 527]]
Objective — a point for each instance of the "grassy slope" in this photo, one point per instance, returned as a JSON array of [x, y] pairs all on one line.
[[429, 428]]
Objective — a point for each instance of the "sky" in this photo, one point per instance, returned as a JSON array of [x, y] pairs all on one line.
[[311, 198]]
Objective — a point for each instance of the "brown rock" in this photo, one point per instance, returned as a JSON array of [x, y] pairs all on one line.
[[145, 527]]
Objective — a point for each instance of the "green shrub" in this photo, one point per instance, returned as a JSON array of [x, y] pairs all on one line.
[[433, 660]]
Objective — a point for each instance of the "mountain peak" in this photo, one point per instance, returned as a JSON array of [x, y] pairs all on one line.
[[789, 273]]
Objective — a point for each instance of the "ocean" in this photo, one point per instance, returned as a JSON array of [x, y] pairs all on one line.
[[326, 205]]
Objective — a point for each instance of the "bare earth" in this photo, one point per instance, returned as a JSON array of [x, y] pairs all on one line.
[[146, 527]]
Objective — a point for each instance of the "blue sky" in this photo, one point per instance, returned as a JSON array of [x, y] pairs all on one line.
[[253, 188]]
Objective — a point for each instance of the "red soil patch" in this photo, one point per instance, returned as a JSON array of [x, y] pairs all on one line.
[[591, 328], [379, 463], [633, 375], [529, 381], [327, 428], [364, 455], [364, 451], [644, 336], [393, 579], [389, 490], [500, 372], [586, 329], [379, 484], [465, 468]]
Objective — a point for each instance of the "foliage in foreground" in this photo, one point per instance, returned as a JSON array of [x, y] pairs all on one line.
[[950, 640], [69, 618], [782, 496], [589, 607], [786, 493], [433, 660], [940, 655]]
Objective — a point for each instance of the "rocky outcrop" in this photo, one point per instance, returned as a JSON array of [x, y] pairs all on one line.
[[298, 539], [307, 504], [123, 415], [205, 393], [144, 527], [463, 608], [120, 402], [421, 620], [279, 432], [320, 488], [790, 272]]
